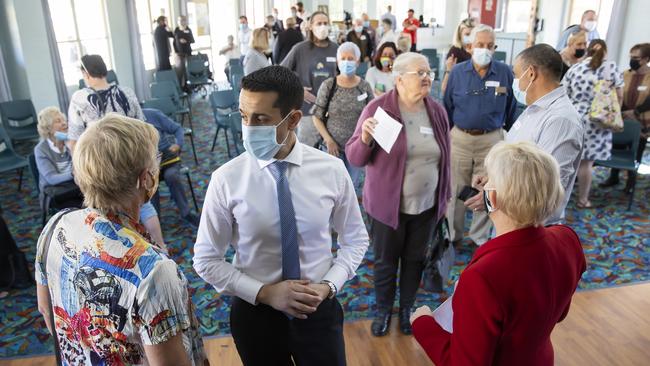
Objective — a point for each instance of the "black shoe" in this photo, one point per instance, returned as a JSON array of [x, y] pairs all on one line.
[[610, 182], [404, 321], [192, 219], [381, 324]]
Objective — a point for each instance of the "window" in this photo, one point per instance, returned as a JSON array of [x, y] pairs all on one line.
[[603, 9], [80, 29], [382, 7], [359, 8], [148, 11], [255, 13], [434, 10], [513, 16], [198, 19], [284, 8], [224, 21], [336, 10]]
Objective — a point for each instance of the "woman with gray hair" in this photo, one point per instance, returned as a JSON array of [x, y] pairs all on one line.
[[107, 293], [405, 192], [54, 162], [339, 104], [518, 285]]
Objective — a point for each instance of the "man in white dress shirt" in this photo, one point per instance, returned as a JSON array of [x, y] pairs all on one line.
[[276, 205], [550, 121]]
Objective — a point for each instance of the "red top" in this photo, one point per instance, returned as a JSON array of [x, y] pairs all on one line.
[[509, 297], [413, 33]]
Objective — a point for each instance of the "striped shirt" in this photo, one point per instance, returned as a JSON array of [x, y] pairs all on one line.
[[554, 125]]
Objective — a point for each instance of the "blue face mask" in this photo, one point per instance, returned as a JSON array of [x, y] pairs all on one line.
[[243, 26], [262, 141], [347, 67], [61, 136], [366, 24], [518, 93]]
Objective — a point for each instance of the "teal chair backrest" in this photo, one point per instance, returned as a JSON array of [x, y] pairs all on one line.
[[166, 75], [165, 105], [18, 116], [165, 89], [500, 56], [628, 140], [111, 77]]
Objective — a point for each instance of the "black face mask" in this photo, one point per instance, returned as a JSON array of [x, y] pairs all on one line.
[[579, 53], [635, 64]]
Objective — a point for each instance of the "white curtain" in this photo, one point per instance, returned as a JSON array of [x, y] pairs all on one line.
[[141, 89], [614, 36], [57, 69], [5, 90]]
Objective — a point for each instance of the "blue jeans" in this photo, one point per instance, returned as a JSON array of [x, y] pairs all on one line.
[[172, 177]]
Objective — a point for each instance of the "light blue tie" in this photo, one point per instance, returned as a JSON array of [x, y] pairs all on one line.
[[288, 228]]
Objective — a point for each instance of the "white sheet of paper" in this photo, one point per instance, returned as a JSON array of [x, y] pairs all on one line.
[[386, 130], [444, 315]]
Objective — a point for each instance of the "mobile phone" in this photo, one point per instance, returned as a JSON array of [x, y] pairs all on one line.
[[467, 192]]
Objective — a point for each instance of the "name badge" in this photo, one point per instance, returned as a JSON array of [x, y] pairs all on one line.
[[330, 59], [426, 130], [642, 88], [363, 96], [363, 38], [492, 84]]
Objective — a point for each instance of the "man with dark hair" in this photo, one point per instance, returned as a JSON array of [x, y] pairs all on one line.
[[314, 61], [411, 25], [588, 24], [91, 103], [277, 205], [550, 121], [161, 36], [244, 36]]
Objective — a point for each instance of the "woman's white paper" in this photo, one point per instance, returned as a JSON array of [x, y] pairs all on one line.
[[444, 315], [386, 130]]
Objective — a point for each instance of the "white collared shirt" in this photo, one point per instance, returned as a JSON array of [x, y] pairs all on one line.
[[241, 210]]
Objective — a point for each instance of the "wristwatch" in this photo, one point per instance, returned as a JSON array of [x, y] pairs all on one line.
[[332, 286]]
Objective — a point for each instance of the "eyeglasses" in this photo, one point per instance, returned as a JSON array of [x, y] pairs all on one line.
[[422, 74], [159, 158]]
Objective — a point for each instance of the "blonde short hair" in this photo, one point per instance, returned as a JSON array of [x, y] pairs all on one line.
[[260, 39], [109, 157], [527, 182], [404, 43], [576, 37], [45, 119]]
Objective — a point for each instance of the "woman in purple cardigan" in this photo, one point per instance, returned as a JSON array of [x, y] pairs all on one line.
[[405, 192]]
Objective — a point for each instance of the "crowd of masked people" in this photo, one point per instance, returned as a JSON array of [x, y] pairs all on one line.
[[109, 291]]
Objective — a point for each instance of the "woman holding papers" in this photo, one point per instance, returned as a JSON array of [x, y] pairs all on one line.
[[519, 284], [402, 138]]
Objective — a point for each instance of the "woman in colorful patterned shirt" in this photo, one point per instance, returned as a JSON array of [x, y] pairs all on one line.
[[108, 294]]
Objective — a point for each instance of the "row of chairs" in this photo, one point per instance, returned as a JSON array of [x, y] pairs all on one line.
[[19, 123], [224, 106]]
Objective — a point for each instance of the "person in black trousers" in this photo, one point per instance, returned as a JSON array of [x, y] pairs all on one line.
[[286, 40], [161, 37], [183, 39], [14, 272]]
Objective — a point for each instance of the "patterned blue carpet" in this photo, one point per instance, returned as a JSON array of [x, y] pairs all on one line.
[[615, 240]]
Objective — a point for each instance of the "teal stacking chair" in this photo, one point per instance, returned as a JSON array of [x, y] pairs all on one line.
[[9, 159], [19, 120], [170, 75], [167, 89], [223, 104]]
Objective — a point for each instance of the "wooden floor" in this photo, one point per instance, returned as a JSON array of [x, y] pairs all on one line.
[[604, 327]]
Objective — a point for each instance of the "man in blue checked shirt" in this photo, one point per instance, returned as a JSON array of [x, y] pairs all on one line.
[[480, 104]]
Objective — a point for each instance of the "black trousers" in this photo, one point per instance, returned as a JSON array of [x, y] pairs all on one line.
[[403, 249], [265, 336]]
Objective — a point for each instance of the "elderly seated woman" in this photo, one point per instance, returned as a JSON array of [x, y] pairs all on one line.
[[519, 284], [107, 293], [54, 162], [405, 192]]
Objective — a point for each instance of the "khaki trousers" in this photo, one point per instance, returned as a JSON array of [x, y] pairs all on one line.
[[467, 156]]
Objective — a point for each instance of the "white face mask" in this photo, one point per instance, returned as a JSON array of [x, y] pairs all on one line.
[[321, 31], [481, 56], [590, 25], [466, 40]]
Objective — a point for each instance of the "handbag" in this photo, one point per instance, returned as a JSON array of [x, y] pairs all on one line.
[[605, 109], [440, 257]]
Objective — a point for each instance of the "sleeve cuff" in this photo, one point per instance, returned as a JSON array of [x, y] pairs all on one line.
[[337, 275], [247, 288]]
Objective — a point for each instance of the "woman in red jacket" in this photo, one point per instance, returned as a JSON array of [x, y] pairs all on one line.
[[519, 284]]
